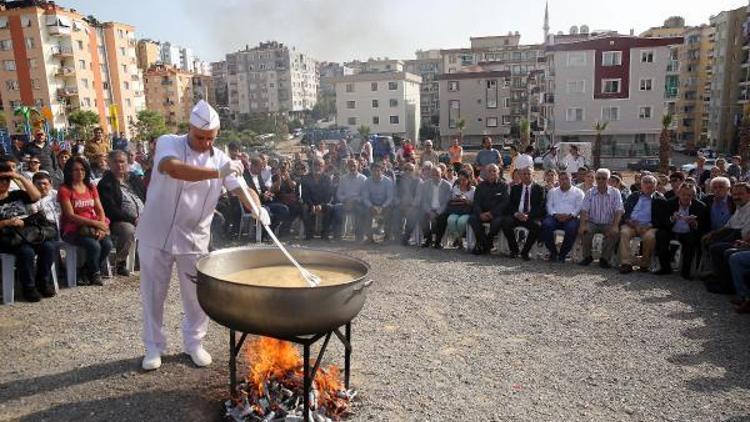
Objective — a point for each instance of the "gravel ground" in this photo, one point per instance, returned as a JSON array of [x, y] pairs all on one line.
[[443, 336]]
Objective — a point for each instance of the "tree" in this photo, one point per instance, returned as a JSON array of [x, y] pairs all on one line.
[[295, 124], [460, 126], [596, 152], [324, 108], [150, 125], [82, 122], [524, 128], [183, 127], [364, 131], [664, 143]]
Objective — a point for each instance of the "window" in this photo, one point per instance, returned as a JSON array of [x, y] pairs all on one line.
[[11, 85], [374, 86], [612, 58], [394, 120], [80, 45], [491, 121], [349, 87], [82, 64], [38, 103], [393, 102], [647, 56], [6, 45], [611, 86], [576, 87], [574, 114], [610, 114], [506, 120], [454, 113], [351, 121], [35, 84], [350, 104], [122, 51], [453, 86], [29, 42], [32, 63], [124, 68], [128, 102], [375, 120], [645, 113], [15, 104], [9, 65], [87, 101], [3, 22], [392, 86], [647, 84], [85, 82], [576, 59], [375, 104], [127, 85], [491, 93], [506, 102], [26, 21]]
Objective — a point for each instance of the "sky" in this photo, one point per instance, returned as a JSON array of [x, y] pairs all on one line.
[[343, 30]]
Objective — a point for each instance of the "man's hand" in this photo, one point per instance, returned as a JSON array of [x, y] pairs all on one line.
[[485, 216], [232, 167], [520, 216], [264, 217], [583, 229], [15, 222]]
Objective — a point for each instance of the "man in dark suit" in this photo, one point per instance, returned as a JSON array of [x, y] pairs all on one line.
[[643, 216], [686, 221], [490, 199], [317, 193], [526, 208], [253, 176]]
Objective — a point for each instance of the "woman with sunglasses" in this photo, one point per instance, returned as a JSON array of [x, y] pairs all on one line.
[[14, 208], [83, 221]]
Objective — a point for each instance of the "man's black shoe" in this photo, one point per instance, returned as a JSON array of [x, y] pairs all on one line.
[[31, 294], [603, 263], [664, 271], [586, 261], [47, 290], [426, 244], [122, 270], [525, 257], [96, 279], [477, 250], [438, 245]]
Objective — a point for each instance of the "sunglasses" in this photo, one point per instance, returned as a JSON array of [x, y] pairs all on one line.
[[35, 162]]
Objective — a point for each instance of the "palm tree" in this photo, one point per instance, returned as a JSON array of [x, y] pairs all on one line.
[[664, 147], [599, 127], [461, 125], [524, 128], [26, 112], [364, 131]]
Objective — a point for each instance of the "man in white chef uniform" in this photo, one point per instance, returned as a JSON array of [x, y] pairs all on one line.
[[186, 183]]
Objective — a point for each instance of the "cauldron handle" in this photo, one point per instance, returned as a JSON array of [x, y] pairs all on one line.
[[363, 286], [192, 277]]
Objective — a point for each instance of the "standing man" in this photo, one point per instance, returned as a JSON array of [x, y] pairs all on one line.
[[428, 154], [573, 161], [601, 212], [97, 145], [185, 186], [487, 155], [551, 160], [456, 154], [40, 148]]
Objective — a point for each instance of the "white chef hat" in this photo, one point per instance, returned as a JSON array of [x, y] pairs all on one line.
[[204, 116]]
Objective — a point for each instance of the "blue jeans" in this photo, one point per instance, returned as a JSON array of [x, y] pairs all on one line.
[[549, 225], [25, 253], [457, 224], [97, 251], [739, 266]]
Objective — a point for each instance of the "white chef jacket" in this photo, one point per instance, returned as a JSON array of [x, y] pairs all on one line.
[[524, 161], [177, 214]]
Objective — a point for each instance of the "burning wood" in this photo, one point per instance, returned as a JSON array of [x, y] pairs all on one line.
[[273, 389]]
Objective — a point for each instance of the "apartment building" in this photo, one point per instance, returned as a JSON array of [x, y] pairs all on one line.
[[271, 77], [386, 102], [428, 65], [696, 70], [219, 81], [725, 113], [481, 97], [620, 80], [744, 96], [148, 53], [58, 61], [329, 71], [170, 92]]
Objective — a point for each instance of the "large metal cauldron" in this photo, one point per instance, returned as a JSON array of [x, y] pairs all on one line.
[[277, 311]]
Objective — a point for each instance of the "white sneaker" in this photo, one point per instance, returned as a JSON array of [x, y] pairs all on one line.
[[151, 361], [200, 357]]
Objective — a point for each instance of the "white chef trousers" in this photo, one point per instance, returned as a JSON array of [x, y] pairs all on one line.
[[156, 273]]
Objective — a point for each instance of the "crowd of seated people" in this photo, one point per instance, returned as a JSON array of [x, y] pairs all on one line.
[[83, 193]]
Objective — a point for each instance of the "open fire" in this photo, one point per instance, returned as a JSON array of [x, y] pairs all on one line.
[[274, 388]]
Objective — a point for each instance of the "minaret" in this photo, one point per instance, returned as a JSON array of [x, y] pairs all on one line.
[[546, 22]]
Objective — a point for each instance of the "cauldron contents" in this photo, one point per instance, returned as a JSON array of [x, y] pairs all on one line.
[[288, 276]]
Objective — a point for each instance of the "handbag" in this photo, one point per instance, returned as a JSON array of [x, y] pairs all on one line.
[[37, 229], [10, 238]]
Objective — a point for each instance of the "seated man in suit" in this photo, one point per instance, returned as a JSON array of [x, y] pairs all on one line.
[[687, 221], [377, 198], [563, 208], [490, 199], [643, 214], [434, 194], [526, 208], [317, 194]]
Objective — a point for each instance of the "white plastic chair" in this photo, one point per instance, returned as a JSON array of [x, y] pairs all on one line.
[[246, 218], [8, 263]]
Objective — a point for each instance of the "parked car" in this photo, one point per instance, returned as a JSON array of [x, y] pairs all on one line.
[[649, 164], [687, 168], [679, 148], [707, 152]]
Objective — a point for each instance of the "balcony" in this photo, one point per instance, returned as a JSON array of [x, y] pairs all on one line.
[[135, 78], [58, 30], [549, 98], [167, 82], [65, 72], [67, 92], [673, 66], [62, 51]]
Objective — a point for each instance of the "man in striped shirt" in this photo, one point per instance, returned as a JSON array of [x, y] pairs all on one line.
[[601, 213]]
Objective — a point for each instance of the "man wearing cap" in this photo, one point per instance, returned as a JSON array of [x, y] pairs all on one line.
[[188, 177]]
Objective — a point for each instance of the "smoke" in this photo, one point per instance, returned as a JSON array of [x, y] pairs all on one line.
[[332, 30]]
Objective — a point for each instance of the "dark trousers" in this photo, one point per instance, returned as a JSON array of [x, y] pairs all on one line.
[[485, 240], [309, 218], [294, 212], [720, 253], [570, 227], [431, 226], [690, 243], [509, 224], [25, 253], [279, 213], [440, 224], [97, 251]]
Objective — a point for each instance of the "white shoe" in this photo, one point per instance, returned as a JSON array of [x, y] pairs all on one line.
[[151, 361], [200, 357]]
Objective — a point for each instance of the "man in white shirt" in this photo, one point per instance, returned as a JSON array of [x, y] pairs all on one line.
[[573, 161], [563, 208], [186, 182]]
